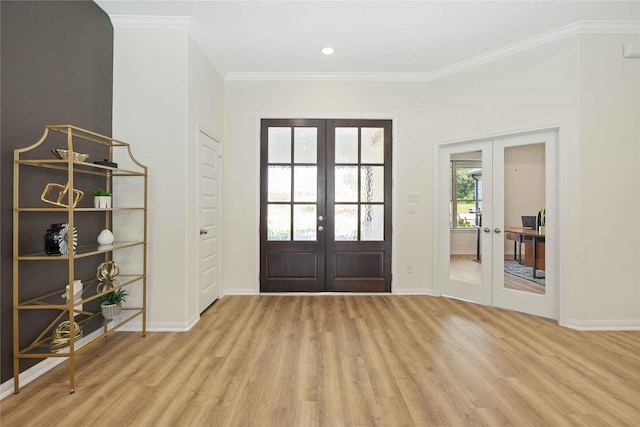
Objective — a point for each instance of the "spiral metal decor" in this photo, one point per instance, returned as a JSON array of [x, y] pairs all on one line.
[[63, 333], [106, 274]]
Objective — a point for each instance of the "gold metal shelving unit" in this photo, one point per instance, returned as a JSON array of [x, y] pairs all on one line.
[[37, 156]]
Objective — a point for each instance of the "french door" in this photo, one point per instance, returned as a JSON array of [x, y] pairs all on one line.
[[488, 252], [325, 205]]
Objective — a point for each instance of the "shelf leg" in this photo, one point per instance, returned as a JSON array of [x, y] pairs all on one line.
[[16, 375]]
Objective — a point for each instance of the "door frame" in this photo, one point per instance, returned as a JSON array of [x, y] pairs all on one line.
[[559, 223], [255, 290], [198, 217]]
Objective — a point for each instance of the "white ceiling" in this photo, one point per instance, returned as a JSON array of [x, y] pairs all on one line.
[[368, 36]]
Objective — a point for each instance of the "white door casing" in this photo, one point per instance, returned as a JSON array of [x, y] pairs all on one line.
[[208, 195]]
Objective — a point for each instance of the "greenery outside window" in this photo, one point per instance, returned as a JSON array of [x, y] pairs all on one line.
[[466, 185]]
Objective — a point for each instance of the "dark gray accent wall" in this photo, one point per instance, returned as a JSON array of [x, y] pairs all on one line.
[[56, 68]]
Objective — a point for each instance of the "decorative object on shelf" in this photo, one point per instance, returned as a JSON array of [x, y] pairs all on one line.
[[77, 290], [111, 303], [106, 162], [56, 240], [64, 189], [106, 274], [64, 155], [63, 333], [101, 199], [105, 237]]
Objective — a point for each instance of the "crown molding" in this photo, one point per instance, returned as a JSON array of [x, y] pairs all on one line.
[[319, 76], [580, 27], [146, 22]]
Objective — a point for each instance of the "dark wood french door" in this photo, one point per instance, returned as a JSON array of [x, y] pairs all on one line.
[[325, 205]]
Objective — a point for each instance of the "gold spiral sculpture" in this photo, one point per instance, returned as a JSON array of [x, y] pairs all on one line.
[[106, 274], [62, 335]]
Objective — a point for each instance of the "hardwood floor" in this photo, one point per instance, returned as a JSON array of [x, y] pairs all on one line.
[[464, 268], [346, 361]]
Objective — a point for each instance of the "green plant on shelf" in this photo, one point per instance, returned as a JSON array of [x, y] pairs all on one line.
[[101, 192], [114, 297]]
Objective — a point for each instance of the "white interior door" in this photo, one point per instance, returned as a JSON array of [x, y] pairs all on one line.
[[484, 253], [463, 244], [209, 175], [525, 182]]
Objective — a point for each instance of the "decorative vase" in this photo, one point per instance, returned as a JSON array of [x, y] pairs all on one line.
[[105, 237], [102, 202], [109, 311], [51, 246], [58, 240]]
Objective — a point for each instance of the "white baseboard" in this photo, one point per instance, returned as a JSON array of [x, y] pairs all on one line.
[[603, 325], [240, 291], [423, 291]]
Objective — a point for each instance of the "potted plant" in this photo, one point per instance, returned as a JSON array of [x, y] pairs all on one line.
[[111, 303], [542, 221], [101, 199]]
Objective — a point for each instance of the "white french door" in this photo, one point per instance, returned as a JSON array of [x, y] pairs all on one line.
[[485, 255]]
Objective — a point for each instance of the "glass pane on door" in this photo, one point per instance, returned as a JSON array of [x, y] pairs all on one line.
[[346, 145], [305, 145], [305, 183], [372, 184], [346, 184], [279, 145], [372, 145], [292, 183], [304, 222], [278, 222], [524, 202], [465, 213], [346, 222], [279, 187], [362, 183], [372, 222]]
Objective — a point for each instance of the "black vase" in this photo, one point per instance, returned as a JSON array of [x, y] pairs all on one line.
[[51, 246]]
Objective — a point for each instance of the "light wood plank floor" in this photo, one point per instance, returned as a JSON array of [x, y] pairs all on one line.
[[346, 361], [464, 268]]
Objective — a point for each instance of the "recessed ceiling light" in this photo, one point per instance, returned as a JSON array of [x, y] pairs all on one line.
[[327, 50]]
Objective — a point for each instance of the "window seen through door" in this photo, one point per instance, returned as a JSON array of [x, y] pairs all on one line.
[[465, 193]]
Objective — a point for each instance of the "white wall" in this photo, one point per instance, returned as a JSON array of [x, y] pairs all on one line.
[[246, 102], [163, 86], [610, 175], [206, 111], [535, 88]]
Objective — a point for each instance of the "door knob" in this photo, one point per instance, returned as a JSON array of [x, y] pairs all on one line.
[[320, 228], [203, 231], [320, 218], [497, 230], [487, 230]]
